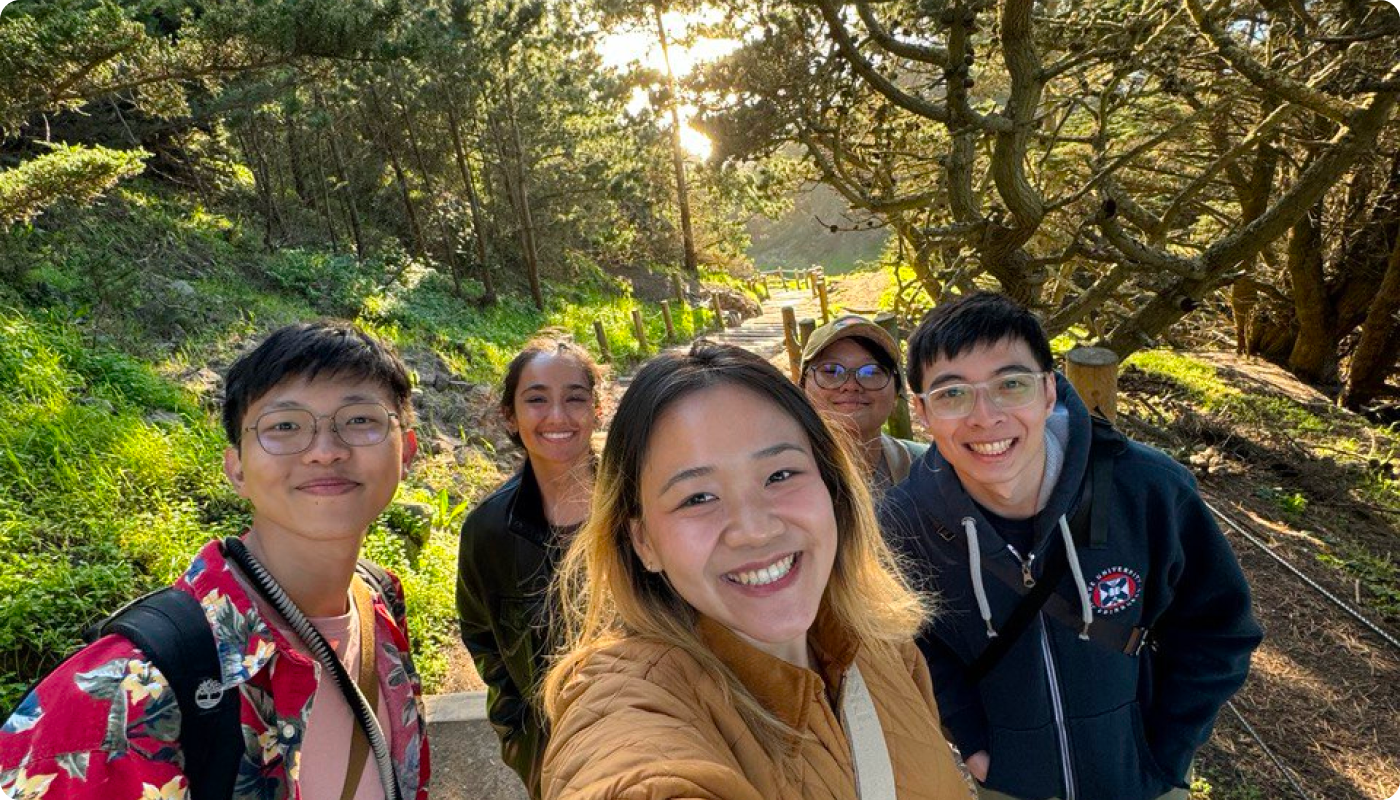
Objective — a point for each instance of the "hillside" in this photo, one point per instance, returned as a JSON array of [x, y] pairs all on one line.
[[116, 322], [803, 237]]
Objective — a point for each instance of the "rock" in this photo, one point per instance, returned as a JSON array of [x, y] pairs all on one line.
[[164, 418], [737, 303], [98, 403], [181, 289]]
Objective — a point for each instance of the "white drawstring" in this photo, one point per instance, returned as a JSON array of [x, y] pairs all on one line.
[[974, 550], [1086, 610]]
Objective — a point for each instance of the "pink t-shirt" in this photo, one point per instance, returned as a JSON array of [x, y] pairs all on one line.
[[325, 750]]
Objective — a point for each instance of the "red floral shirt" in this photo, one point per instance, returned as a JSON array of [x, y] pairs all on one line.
[[105, 724]]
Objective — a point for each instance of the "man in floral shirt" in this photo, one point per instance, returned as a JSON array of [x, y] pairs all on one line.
[[319, 421]]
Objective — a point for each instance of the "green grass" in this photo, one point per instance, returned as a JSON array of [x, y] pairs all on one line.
[[102, 499], [110, 472], [1207, 390], [1323, 431]]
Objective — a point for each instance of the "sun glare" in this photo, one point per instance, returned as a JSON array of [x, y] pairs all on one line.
[[639, 47]]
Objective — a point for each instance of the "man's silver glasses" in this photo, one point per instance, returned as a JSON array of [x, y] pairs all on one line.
[[289, 431], [1006, 392]]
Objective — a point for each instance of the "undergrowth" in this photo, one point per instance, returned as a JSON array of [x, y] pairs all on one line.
[[110, 470], [1363, 454]]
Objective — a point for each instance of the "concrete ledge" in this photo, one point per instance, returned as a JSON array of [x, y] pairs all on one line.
[[459, 707], [466, 752]]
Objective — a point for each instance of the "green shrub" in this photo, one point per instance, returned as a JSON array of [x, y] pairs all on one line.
[[75, 173]]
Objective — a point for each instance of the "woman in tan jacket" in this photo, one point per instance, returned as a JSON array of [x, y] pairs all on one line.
[[736, 627]]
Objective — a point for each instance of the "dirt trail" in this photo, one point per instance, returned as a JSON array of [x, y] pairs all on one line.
[[762, 335]]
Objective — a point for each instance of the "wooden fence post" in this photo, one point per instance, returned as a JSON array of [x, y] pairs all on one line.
[[679, 288], [1094, 373], [899, 423], [719, 312], [639, 326], [666, 317], [812, 281], [794, 351], [805, 326], [603, 349], [821, 295]]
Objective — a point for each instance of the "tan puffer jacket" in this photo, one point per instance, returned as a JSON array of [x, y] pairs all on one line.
[[643, 721]]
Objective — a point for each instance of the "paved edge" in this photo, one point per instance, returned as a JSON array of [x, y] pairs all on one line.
[[456, 707]]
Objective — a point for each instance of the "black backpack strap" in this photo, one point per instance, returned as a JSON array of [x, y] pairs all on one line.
[[378, 579], [1089, 525], [1105, 444], [1019, 620], [170, 628]]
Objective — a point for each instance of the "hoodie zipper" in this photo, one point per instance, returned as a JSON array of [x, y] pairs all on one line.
[[1026, 564], [1059, 708], [1056, 702]]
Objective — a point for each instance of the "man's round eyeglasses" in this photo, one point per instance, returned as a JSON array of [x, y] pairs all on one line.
[[289, 431], [1006, 392], [833, 376]]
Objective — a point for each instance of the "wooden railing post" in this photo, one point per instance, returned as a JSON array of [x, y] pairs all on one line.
[[1094, 373], [640, 327], [666, 317], [719, 312], [794, 351], [603, 349], [821, 295], [679, 288], [805, 327], [900, 425]]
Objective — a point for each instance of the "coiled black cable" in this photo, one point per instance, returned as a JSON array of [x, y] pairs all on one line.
[[266, 585]]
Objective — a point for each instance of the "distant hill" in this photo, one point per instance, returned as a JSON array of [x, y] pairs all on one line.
[[798, 240]]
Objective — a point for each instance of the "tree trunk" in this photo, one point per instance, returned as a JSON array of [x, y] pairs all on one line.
[[323, 197], [1254, 198], [522, 188], [1363, 264], [449, 240], [474, 202], [1177, 299], [692, 264], [342, 175], [262, 179], [400, 177], [295, 164], [1314, 348], [1379, 347]]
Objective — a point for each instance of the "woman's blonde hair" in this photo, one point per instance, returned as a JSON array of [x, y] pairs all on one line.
[[604, 593]]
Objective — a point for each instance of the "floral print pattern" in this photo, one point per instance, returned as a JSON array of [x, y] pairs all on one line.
[[117, 734]]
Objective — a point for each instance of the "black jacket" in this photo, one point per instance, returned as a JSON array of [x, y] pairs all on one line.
[[1057, 709], [506, 559]]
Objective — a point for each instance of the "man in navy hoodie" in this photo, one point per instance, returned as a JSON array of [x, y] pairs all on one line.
[[1105, 681]]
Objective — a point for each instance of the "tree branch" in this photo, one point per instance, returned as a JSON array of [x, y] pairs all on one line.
[[1263, 130], [1136, 251], [1009, 154], [1263, 77], [830, 11], [1142, 147], [926, 54]]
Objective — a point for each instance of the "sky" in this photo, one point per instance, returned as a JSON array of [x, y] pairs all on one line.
[[624, 48]]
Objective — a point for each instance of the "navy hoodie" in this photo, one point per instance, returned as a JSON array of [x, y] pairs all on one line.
[[1061, 716]]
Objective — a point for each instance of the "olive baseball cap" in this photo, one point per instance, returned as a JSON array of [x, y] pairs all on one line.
[[847, 327]]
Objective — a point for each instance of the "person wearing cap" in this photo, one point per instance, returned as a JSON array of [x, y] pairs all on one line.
[[850, 372]]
